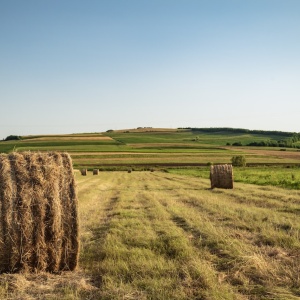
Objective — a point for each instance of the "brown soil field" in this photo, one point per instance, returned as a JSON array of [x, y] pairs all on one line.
[[273, 153], [171, 144], [71, 138], [111, 153]]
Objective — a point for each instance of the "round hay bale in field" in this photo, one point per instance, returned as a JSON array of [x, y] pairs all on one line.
[[221, 176], [38, 213], [96, 172], [83, 172]]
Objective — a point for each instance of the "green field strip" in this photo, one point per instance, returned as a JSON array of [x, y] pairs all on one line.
[[287, 176]]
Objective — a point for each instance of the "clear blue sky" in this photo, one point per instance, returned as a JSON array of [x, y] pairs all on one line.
[[69, 66]]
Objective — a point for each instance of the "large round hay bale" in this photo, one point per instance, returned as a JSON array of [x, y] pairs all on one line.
[[83, 172], [38, 213], [221, 176], [95, 171]]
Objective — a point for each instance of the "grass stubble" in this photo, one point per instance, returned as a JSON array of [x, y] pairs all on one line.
[[154, 235]]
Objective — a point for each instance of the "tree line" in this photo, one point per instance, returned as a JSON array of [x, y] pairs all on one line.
[[242, 130], [289, 139]]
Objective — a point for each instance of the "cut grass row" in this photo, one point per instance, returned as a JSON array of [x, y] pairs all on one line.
[[169, 237], [155, 235]]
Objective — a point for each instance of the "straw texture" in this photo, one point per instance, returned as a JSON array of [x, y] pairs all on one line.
[[221, 176], [83, 172], [38, 213]]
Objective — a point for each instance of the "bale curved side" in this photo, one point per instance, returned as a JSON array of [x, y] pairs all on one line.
[[221, 176], [55, 212], [38, 213], [70, 217], [7, 194], [96, 172]]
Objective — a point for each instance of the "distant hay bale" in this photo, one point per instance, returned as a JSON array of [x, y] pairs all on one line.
[[38, 213], [221, 176], [129, 170], [96, 172], [83, 172]]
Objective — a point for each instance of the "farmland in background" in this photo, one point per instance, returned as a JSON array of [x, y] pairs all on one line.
[[156, 235], [287, 177], [148, 147], [166, 234]]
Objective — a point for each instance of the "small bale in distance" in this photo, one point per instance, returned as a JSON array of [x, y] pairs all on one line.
[[95, 171], [83, 172], [38, 213], [221, 176]]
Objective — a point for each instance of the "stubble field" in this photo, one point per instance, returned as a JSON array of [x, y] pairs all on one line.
[[155, 235]]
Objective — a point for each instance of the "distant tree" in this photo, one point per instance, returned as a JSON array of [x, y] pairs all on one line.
[[12, 137], [237, 144], [238, 161]]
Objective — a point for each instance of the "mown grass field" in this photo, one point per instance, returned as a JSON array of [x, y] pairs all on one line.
[[156, 235]]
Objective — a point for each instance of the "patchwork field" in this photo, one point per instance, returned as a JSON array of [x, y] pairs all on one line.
[[166, 234], [156, 235], [147, 147]]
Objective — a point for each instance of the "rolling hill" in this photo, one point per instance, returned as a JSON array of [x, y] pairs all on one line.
[[145, 147]]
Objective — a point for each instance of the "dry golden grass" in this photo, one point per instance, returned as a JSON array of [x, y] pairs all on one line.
[[38, 212], [154, 235]]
